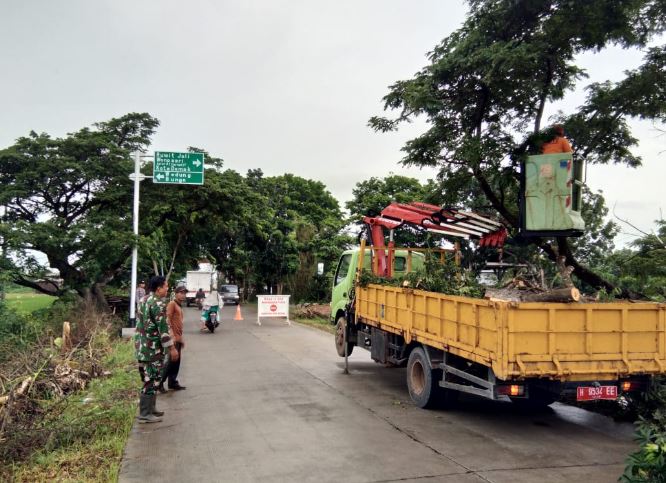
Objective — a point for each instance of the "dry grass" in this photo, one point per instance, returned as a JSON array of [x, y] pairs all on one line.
[[67, 412]]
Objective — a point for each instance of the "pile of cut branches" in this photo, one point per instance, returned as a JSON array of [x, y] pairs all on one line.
[[529, 285], [34, 383], [435, 276], [311, 311]]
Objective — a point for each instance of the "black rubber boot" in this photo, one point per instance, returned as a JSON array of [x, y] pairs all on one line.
[[145, 414], [154, 410]]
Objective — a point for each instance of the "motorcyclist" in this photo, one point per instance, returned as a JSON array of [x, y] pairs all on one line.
[[199, 297], [211, 304]]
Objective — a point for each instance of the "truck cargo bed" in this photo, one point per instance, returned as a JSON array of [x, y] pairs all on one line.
[[565, 342]]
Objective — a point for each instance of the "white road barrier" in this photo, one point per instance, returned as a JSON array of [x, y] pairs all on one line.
[[272, 306]]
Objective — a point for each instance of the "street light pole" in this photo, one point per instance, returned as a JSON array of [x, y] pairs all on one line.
[[135, 255]]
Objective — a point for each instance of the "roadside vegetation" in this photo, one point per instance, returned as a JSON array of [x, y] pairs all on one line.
[[66, 401], [648, 463], [313, 315]]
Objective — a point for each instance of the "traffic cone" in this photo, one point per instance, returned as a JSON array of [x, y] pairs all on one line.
[[238, 313]]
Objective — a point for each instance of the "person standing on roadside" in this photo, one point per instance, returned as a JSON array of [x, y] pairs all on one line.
[[174, 314], [151, 340], [140, 293]]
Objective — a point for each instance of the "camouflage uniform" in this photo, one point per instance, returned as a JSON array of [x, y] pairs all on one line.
[[150, 341]]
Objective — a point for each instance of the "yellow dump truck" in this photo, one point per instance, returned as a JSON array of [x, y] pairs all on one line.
[[530, 353]]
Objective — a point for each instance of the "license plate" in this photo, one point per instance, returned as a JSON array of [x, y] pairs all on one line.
[[592, 393]]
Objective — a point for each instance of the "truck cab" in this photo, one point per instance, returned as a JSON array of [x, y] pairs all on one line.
[[345, 274]]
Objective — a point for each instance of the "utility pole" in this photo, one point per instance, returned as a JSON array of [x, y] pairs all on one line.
[[3, 254], [137, 177]]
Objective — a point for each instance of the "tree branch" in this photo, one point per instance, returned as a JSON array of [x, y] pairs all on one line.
[[544, 94], [628, 223], [583, 273], [23, 282], [181, 235], [490, 194]]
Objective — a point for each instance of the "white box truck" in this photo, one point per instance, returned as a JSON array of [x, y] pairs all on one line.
[[196, 279]]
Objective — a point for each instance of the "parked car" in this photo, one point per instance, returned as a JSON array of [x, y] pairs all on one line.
[[230, 294]]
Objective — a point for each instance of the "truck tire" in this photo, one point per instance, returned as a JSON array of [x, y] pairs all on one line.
[[340, 338], [422, 381]]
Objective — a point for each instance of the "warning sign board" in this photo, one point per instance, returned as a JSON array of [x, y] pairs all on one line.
[[272, 306]]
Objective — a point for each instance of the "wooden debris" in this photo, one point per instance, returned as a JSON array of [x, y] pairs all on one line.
[[70, 379], [311, 311], [66, 338], [565, 271], [24, 385], [564, 295], [503, 294]]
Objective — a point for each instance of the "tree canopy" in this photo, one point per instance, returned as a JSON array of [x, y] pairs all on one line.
[[297, 226], [486, 86], [69, 199], [641, 266]]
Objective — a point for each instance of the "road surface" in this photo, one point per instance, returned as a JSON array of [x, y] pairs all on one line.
[[271, 403]]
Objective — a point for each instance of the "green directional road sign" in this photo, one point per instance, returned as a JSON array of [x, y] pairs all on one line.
[[178, 168]]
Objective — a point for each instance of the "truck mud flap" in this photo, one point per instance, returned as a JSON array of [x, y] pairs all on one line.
[[378, 345]]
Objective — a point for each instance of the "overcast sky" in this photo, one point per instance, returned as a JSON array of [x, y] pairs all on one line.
[[282, 85]]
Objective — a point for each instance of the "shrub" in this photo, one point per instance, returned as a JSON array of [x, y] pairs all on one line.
[[648, 464]]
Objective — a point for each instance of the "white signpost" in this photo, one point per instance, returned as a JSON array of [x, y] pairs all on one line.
[[272, 306], [171, 168]]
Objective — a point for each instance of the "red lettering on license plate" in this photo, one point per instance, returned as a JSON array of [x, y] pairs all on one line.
[[585, 393]]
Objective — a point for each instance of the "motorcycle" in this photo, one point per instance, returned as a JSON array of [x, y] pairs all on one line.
[[209, 316]]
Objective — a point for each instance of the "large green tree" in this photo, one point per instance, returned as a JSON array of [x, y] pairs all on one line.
[[486, 87], [371, 196], [374, 194], [66, 199], [67, 206], [297, 227]]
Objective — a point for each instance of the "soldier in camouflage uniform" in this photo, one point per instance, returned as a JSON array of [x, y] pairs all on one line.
[[151, 340]]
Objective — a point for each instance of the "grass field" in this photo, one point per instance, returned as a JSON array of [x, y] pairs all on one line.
[[28, 302]]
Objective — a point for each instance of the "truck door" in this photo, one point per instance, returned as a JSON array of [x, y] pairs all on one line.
[[341, 284]]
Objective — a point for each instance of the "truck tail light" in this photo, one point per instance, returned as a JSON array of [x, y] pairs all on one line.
[[629, 386], [511, 390]]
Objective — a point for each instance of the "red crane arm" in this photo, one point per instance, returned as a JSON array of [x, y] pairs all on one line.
[[444, 221]]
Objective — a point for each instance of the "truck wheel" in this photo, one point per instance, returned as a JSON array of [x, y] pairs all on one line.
[[340, 338], [422, 381]]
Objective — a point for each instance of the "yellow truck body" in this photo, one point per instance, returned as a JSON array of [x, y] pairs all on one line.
[[564, 342]]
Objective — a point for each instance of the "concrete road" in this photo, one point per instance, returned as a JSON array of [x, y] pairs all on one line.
[[271, 403]]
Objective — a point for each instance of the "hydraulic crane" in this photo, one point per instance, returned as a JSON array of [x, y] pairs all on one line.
[[442, 221]]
